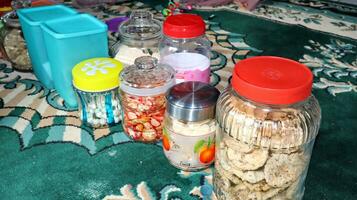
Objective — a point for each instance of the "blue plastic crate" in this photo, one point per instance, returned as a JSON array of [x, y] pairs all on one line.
[[69, 41], [31, 19]]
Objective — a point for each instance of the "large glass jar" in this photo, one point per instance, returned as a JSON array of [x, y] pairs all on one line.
[[139, 36], [267, 123], [185, 47], [96, 83], [190, 127], [142, 90], [12, 44]]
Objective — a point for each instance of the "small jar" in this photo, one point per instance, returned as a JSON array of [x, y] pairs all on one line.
[[12, 44], [185, 47], [190, 127], [139, 36], [267, 124], [96, 83], [142, 90]]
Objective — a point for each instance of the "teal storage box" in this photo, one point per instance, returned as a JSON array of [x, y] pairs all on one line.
[[31, 20], [69, 41]]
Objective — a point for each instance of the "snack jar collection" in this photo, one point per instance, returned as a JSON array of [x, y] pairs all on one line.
[[142, 91], [267, 123], [190, 126]]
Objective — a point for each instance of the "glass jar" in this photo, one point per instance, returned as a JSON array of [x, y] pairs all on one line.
[[267, 123], [185, 47], [142, 91], [12, 43], [96, 83], [190, 127], [139, 36]]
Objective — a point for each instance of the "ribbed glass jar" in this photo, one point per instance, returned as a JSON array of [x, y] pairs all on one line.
[[263, 150]]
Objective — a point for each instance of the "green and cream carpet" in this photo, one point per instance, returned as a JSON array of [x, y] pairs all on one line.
[[47, 153]]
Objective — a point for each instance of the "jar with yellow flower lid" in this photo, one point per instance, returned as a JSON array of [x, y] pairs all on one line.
[[96, 83]]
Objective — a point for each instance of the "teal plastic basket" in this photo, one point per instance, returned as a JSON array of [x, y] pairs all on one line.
[[31, 20], [69, 41]]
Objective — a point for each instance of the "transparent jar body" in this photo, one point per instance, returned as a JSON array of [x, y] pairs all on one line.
[[263, 151], [143, 116], [12, 43], [189, 57], [99, 109], [188, 145]]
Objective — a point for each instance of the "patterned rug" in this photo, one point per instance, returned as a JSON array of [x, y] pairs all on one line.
[[47, 153]]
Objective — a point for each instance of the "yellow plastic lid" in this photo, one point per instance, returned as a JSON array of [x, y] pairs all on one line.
[[97, 74]]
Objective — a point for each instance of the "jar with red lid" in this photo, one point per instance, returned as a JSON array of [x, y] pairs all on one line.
[[267, 123], [185, 47], [142, 91]]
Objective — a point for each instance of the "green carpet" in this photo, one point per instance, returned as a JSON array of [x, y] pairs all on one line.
[[47, 153]]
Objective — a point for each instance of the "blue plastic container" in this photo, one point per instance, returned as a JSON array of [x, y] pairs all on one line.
[[31, 20], [69, 41]]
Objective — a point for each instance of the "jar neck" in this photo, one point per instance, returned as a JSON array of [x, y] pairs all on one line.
[[264, 105], [181, 40], [145, 43]]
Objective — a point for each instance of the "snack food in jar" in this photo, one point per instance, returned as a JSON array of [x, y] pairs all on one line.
[[96, 83], [185, 47], [139, 36], [142, 90], [190, 127], [267, 123], [12, 44]]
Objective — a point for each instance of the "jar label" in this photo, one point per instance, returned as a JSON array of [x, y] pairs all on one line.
[[192, 75], [189, 66], [189, 152]]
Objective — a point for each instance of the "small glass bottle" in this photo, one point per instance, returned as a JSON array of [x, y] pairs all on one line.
[[142, 90], [267, 123], [185, 47], [96, 83], [190, 128], [12, 43], [139, 36]]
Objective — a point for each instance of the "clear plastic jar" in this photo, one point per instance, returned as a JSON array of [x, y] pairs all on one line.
[[185, 47], [96, 83], [267, 123], [190, 128], [12, 43], [139, 36], [142, 91]]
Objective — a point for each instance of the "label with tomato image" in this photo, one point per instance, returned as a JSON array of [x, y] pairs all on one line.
[[189, 152]]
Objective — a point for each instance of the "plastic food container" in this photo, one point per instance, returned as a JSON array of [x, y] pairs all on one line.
[[12, 43], [185, 47], [96, 84], [190, 126], [142, 90], [267, 123], [139, 36], [31, 20], [74, 38]]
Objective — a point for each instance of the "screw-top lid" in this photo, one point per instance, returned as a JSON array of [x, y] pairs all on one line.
[[272, 80], [97, 74], [146, 77], [140, 27], [192, 101], [184, 26]]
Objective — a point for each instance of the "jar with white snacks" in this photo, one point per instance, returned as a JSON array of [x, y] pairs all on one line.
[[185, 47], [189, 127], [139, 36], [267, 123], [142, 92], [96, 83]]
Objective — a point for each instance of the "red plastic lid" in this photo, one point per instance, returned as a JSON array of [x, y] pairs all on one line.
[[272, 80], [184, 26]]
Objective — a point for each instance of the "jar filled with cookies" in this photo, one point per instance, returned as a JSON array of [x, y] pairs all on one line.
[[267, 124], [142, 91]]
